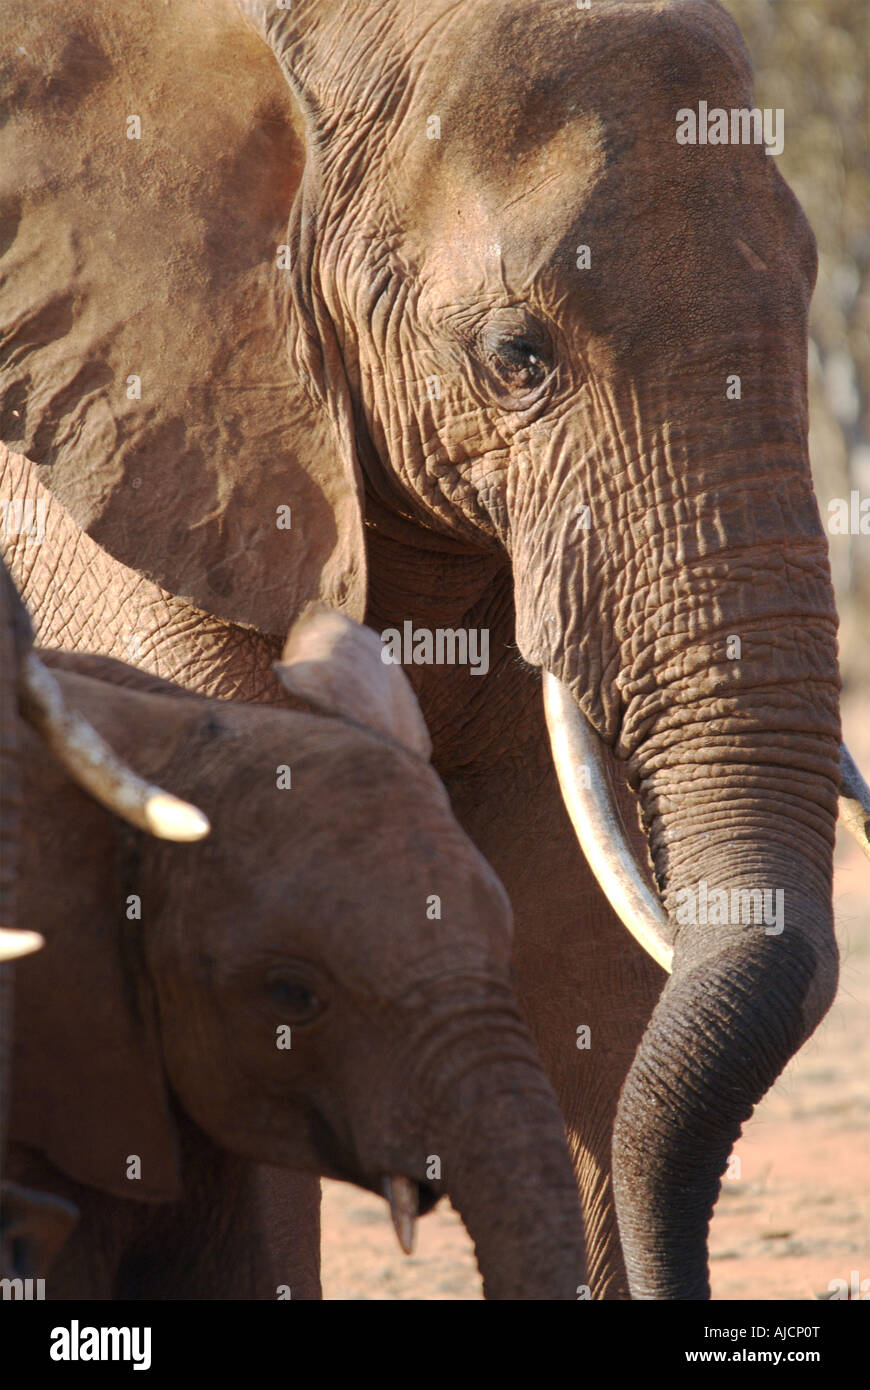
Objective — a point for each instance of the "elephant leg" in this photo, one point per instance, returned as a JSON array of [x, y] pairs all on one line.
[[248, 1234], [242, 1232], [576, 968], [245, 1231], [289, 1206]]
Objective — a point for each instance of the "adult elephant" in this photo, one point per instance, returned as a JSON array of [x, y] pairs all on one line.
[[521, 362]]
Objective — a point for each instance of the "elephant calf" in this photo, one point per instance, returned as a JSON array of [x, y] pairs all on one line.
[[321, 984]]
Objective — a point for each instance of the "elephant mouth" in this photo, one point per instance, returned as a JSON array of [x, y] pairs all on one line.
[[407, 1197], [407, 1200], [590, 799]]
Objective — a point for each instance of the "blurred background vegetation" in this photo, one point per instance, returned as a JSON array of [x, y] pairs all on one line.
[[812, 58]]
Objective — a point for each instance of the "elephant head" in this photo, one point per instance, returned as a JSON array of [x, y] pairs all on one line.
[[322, 984], [569, 336]]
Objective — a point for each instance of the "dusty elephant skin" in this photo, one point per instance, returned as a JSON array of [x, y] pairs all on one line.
[[502, 331], [33, 1225], [277, 993]]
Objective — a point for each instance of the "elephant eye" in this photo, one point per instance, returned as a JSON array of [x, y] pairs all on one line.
[[294, 998], [517, 361], [518, 358]]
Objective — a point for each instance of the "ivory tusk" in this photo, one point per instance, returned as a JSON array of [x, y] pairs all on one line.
[[579, 760], [89, 759], [854, 800], [403, 1196], [14, 943]]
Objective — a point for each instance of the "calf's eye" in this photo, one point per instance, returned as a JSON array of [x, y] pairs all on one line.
[[295, 999]]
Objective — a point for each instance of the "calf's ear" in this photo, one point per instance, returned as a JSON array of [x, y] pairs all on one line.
[[337, 666]]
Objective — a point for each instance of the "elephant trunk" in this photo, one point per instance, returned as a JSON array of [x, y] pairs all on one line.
[[736, 764], [722, 707], [505, 1163], [747, 875], [512, 1183]]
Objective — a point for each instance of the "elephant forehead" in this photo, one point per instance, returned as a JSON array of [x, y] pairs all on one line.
[[540, 99], [395, 920], [382, 907], [523, 68], [332, 842]]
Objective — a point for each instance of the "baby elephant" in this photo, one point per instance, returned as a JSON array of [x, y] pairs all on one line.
[[321, 983]]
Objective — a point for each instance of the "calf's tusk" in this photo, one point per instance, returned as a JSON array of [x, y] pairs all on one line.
[[403, 1196], [14, 943]]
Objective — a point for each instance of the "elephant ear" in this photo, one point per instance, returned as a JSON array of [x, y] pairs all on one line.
[[336, 666], [89, 1089], [166, 363]]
